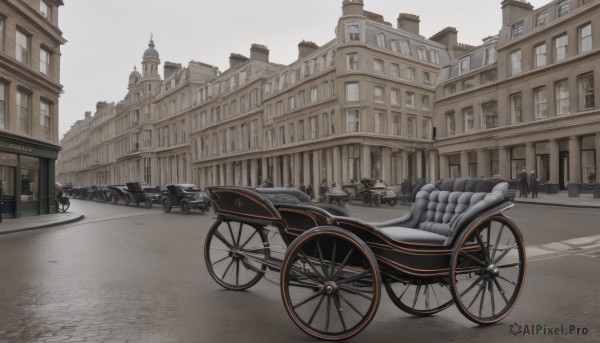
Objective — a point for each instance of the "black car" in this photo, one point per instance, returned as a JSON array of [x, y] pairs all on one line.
[[185, 196], [137, 195]]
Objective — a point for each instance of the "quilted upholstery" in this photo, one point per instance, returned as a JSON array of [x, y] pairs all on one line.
[[444, 207]]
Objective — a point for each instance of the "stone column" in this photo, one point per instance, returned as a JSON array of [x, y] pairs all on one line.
[[329, 160], [481, 163], [530, 157], [574, 166], [286, 171], [464, 164], [296, 169], [337, 165], [386, 165], [244, 173], [433, 166], [253, 172], [504, 162], [365, 169], [444, 167], [264, 172], [230, 173], [222, 175], [345, 167], [315, 179], [276, 171], [404, 167], [419, 164], [552, 185], [306, 168]]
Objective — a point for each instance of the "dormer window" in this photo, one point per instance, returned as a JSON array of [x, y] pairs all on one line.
[[517, 29], [563, 7], [422, 54], [380, 40], [44, 10], [464, 65]]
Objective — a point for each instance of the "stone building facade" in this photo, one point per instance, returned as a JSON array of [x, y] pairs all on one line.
[[375, 101], [30, 41]]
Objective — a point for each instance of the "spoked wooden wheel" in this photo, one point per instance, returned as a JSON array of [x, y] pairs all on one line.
[[421, 297], [330, 283], [232, 251], [487, 270]]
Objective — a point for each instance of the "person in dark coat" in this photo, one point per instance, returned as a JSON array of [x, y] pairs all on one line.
[[533, 184], [523, 184]]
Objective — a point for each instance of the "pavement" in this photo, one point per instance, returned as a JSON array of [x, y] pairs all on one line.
[[49, 220]]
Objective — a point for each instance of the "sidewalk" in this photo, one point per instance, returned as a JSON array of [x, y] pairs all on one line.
[[38, 222], [561, 199]]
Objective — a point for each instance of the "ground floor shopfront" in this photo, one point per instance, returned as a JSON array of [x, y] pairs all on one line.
[[26, 176]]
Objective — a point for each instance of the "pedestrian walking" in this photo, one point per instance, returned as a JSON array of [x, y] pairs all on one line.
[[534, 181], [523, 184]]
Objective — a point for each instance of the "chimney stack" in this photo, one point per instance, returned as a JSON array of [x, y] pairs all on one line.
[[259, 52], [170, 69], [100, 105], [409, 23], [513, 10], [352, 7], [236, 59], [88, 114], [306, 48], [447, 37]]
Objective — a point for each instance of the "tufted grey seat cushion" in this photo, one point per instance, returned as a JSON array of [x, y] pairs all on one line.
[[444, 207]]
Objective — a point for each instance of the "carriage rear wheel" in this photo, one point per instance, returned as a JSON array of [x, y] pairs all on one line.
[[63, 204], [330, 283], [487, 270], [421, 297], [232, 252], [166, 204]]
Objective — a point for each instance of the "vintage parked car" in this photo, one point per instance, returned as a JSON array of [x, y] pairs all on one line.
[[337, 195], [136, 194], [371, 192], [117, 192], [186, 197]]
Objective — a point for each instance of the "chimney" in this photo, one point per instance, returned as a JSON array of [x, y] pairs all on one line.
[[306, 48], [259, 52], [378, 18], [352, 7], [170, 69], [100, 105], [513, 10], [88, 114], [236, 59], [447, 37], [409, 23]]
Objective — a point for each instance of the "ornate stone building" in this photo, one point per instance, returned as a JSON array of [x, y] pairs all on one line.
[[375, 101], [30, 41]]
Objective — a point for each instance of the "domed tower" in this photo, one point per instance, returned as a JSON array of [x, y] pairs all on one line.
[[134, 77], [150, 62]]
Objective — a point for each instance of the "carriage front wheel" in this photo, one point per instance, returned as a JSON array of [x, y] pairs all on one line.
[[487, 270], [233, 251], [421, 296], [330, 283]]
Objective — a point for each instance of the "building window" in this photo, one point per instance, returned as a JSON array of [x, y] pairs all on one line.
[[291, 103], [352, 93], [425, 102], [45, 121], [393, 45], [147, 170], [353, 32], [314, 127], [352, 61], [434, 56], [450, 123], [353, 120], [464, 65], [469, 119], [44, 62], [585, 38], [450, 89], [516, 108], [404, 48], [326, 126], [468, 83], [291, 132], [395, 97], [422, 54], [378, 94], [396, 119], [411, 126], [410, 99], [1, 33], [378, 66], [540, 55], [490, 114], [332, 121], [540, 103], [515, 62], [560, 46], [22, 47], [380, 124], [394, 70], [301, 99], [426, 78], [44, 10], [426, 128], [313, 94], [517, 29], [22, 112], [488, 76], [381, 40], [563, 7], [541, 18], [489, 55], [410, 74], [325, 89], [3, 124], [562, 97], [586, 92]]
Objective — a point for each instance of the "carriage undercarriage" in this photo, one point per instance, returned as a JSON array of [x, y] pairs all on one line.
[[331, 274]]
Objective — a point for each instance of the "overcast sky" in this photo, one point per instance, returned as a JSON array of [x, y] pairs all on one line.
[[107, 38]]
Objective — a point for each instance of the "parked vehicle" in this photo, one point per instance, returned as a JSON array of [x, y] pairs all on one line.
[[186, 197], [117, 192], [371, 192], [337, 195], [136, 194]]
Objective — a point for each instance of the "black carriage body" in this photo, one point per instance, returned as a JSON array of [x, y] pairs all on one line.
[[177, 194]]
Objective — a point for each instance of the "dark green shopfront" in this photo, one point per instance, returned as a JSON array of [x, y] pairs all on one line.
[[26, 176]]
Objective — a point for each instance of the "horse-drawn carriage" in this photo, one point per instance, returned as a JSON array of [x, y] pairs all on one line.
[[454, 247]]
